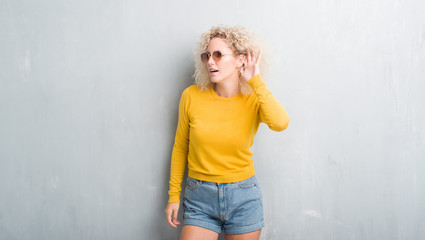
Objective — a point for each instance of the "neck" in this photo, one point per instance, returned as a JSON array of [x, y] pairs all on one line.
[[227, 89]]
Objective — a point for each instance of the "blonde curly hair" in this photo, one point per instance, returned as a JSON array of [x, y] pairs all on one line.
[[240, 40]]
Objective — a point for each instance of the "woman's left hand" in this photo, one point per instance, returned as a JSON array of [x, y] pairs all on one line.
[[252, 66]]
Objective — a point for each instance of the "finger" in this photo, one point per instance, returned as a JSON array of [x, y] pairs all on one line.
[[259, 57], [175, 213], [249, 56], [169, 212], [176, 222], [253, 57], [170, 221]]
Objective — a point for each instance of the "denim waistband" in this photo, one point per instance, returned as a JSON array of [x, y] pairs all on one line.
[[214, 183]]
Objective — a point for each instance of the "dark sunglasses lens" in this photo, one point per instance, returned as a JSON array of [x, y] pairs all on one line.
[[217, 55], [204, 57]]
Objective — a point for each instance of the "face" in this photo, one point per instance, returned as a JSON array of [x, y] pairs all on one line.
[[225, 69]]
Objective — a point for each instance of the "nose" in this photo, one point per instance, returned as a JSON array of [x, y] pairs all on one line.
[[210, 60]]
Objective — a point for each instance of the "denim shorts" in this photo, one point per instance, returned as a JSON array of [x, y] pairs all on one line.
[[234, 207]]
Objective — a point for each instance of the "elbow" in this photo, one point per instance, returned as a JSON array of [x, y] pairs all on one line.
[[280, 126]]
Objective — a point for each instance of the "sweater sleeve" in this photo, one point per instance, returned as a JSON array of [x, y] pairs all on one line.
[[272, 112], [180, 149]]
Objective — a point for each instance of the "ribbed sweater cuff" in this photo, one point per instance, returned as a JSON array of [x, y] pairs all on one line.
[[175, 199], [255, 81]]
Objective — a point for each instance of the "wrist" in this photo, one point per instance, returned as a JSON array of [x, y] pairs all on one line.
[[251, 77]]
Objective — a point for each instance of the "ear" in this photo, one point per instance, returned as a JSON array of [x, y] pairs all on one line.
[[240, 60]]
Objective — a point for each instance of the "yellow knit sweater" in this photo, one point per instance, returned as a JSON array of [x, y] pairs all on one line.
[[214, 134]]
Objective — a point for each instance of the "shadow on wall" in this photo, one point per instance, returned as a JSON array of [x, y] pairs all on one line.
[[162, 229]]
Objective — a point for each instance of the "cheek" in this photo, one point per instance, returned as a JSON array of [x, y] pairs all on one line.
[[228, 66]]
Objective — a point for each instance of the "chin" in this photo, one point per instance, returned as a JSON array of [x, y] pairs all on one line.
[[215, 80]]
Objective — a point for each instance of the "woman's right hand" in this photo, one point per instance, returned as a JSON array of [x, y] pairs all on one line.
[[171, 212]]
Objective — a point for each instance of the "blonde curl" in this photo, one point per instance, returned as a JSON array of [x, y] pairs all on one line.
[[240, 40]]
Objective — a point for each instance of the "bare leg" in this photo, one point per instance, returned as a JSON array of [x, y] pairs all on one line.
[[190, 232], [246, 236]]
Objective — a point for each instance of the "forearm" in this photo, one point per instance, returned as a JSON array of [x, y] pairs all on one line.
[[178, 167], [180, 149], [271, 111]]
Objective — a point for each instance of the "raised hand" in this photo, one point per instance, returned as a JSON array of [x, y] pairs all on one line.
[[252, 65]]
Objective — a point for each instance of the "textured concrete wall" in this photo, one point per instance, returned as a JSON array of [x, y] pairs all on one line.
[[89, 93]]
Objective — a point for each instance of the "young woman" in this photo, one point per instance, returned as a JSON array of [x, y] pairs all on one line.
[[218, 119]]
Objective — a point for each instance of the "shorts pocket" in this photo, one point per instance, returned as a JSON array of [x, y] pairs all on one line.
[[191, 183], [248, 183]]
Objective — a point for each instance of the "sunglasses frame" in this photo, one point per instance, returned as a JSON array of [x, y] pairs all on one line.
[[216, 55]]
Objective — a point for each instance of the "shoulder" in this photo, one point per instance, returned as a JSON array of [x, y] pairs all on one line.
[[194, 91], [193, 88], [192, 95]]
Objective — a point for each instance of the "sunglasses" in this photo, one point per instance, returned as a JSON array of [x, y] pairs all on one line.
[[215, 55]]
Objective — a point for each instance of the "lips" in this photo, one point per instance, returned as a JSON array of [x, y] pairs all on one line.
[[213, 70]]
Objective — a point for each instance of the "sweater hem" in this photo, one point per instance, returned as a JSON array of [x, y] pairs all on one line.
[[228, 178]]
